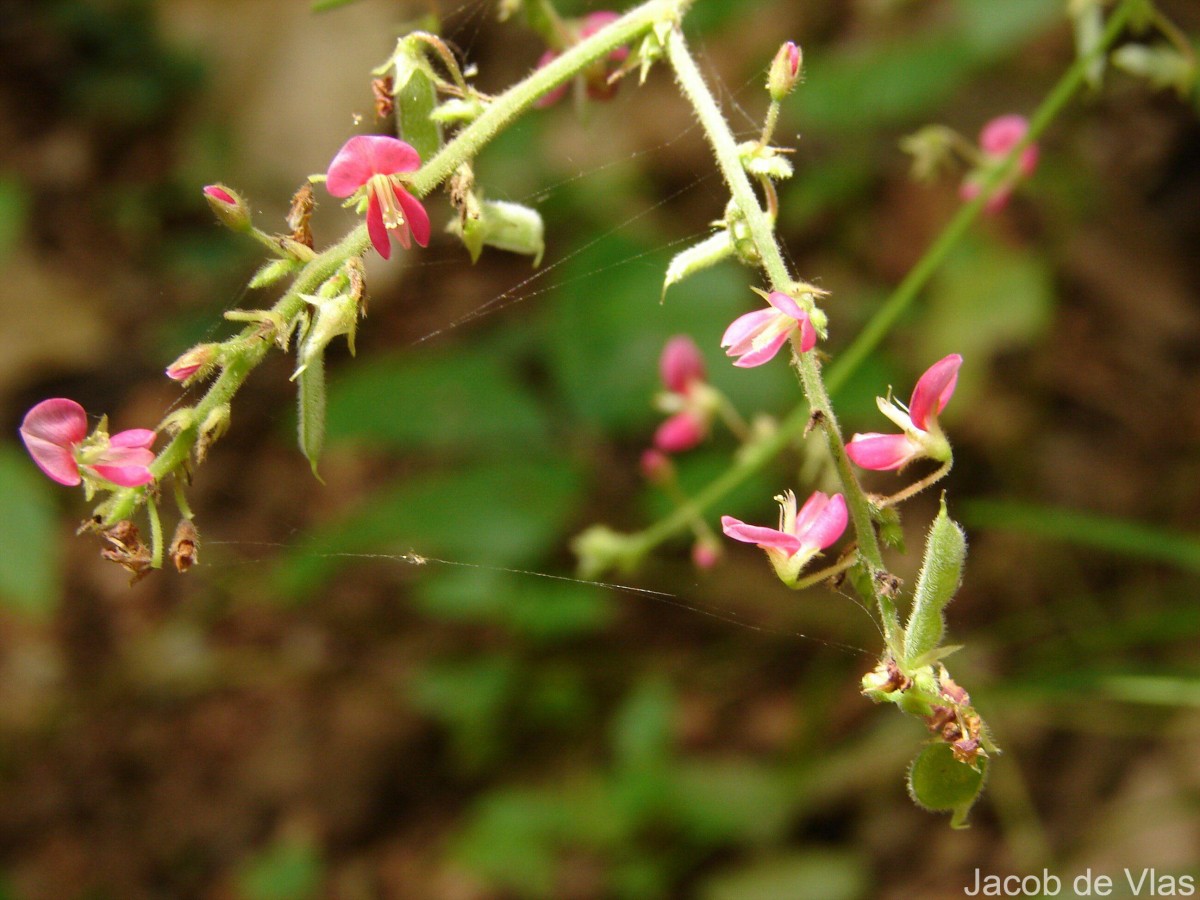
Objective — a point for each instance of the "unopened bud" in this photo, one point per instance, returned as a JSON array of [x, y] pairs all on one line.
[[705, 553], [199, 360], [228, 206], [785, 71], [656, 466]]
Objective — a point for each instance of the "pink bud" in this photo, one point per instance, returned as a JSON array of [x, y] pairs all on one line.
[[656, 466], [705, 554], [681, 364], [191, 362], [228, 207], [681, 432], [784, 72]]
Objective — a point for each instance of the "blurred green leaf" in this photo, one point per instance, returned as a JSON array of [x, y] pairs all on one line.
[[871, 84], [29, 552], [987, 298], [730, 800], [14, 212], [437, 400], [507, 841], [604, 344], [796, 876], [1153, 690], [542, 609], [1086, 529], [500, 513], [470, 698], [641, 728], [288, 870]]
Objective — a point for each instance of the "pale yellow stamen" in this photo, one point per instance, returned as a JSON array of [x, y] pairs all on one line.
[[381, 187]]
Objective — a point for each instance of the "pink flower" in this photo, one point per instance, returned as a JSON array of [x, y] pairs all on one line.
[[228, 206], [56, 434], [800, 536], [597, 79], [370, 165], [688, 398], [756, 337], [996, 140], [922, 436]]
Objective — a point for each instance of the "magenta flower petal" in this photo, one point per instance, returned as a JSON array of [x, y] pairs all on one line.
[[934, 390], [880, 452], [822, 520], [415, 216], [760, 535], [377, 231], [138, 438], [741, 331], [786, 305], [58, 421], [366, 155], [762, 355], [680, 364], [680, 432], [1002, 133], [125, 476], [57, 461], [50, 430]]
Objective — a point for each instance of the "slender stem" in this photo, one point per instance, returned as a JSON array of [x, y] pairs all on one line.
[[522, 95], [917, 486], [793, 426], [762, 232], [246, 350]]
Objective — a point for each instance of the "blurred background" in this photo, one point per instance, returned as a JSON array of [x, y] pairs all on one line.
[[284, 722]]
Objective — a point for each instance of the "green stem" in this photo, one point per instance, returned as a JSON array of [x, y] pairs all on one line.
[[247, 349], [522, 95], [793, 426], [763, 234]]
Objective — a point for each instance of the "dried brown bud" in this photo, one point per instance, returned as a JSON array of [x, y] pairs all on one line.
[[383, 90], [127, 550], [185, 545], [299, 214]]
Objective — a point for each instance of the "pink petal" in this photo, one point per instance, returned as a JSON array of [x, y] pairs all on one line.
[[56, 461], [140, 438], [934, 390], [414, 216], [380, 239], [593, 22], [1002, 133], [58, 421], [554, 95], [762, 355], [741, 331], [125, 476], [808, 334], [822, 522], [880, 452], [680, 364], [365, 155], [757, 534], [786, 305], [219, 193], [679, 433]]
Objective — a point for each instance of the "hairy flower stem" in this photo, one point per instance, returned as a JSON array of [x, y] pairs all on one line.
[[762, 232], [794, 425], [246, 350]]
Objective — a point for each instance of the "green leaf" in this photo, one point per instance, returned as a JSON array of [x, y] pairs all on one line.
[[542, 609], [501, 513], [471, 699], [289, 870], [436, 400], [29, 552], [987, 298], [940, 783], [724, 801], [796, 876], [1075, 526]]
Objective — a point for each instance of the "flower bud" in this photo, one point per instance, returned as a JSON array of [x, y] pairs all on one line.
[[785, 71], [199, 359], [228, 206], [706, 553]]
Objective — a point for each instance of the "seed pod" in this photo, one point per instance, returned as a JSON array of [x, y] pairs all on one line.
[[941, 573]]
